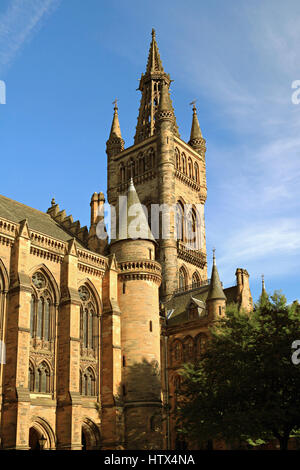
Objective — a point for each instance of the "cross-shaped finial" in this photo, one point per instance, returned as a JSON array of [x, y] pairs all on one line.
[[193, 103], [115, 102]]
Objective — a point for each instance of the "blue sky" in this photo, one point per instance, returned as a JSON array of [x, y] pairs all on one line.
[[64, 61]]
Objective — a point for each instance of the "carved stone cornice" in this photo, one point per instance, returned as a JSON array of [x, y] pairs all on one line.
[[146, 270], [195, 257], [188, 181]]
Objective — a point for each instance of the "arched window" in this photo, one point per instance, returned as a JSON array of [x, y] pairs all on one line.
[[196, 172], [180, 221], [88, 387], [189, 349], [177, 159], [196, 280], [40, 380], [88, 319], [31, 377], [41, 308], [122, 173], [151, 156], [201, 343], [190, 168], [182, 278], [183, 159], [177, 351], [193, 230]]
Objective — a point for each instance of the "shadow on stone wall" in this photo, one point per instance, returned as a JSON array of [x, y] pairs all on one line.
[[140, 396]]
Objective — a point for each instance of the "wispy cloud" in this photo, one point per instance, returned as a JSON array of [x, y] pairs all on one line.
[[18, 23]]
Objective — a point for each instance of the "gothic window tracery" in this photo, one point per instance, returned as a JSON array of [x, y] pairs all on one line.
[[182, 278], [193, 230], [88, 319], [88, 382], [196, 279], [177, 351], [39, 378], [41, 308]]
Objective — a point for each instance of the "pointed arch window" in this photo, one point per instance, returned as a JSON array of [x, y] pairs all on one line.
[[177, 351], [39, 379], [182, 278], [183, 163], [189, 349], [31, 378], [122, 173], [201, 344], [193, 230], [88, 319], [177, 159], [41, 308], [88, 383], [196, 280], [190, 168], [179, 221], [196, 172]]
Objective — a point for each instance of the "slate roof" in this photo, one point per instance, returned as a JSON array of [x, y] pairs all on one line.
[[37, 220], [180, 302]]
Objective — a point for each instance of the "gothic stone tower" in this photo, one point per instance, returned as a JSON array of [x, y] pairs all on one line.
[[139, 278], [166, 171]]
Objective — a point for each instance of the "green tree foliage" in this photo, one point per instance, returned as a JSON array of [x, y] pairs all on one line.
[[246, 387]]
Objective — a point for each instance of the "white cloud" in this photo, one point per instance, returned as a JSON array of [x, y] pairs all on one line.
[[17, 25]]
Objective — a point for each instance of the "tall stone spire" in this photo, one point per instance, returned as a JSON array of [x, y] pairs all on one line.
[[151, 86], [196, 139], [215, 289], [115, 143], [154, 63]]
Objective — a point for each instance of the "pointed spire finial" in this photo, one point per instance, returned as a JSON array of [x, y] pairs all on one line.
[[115, 127], [196, 134], [215, 287], [153, 33], [263, 283]]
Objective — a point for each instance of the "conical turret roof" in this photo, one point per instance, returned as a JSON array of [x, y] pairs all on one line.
[[115, 131], [215, 289], [132, 222], [195, 130]]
